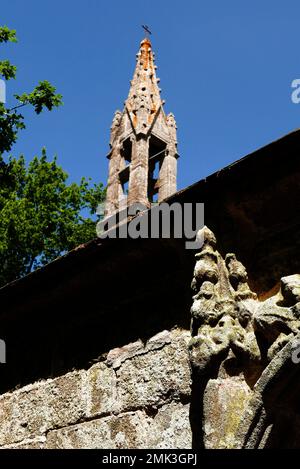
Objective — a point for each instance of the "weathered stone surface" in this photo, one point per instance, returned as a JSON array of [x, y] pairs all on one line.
[[155, 377], [11, 428], [124, 431], [170, 428], [290, 287], [36, 408], [278, 385], [130, 400], [118, 355], [243, 343], [228, 318], [101, 390], [34, 443], [225, 401], [222, 310]]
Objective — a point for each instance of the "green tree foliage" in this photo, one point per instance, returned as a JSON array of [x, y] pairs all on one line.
[[41, 215]]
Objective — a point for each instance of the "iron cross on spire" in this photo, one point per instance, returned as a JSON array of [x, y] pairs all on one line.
[[146, 28]]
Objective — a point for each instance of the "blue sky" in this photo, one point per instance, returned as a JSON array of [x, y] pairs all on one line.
[[226, 70]]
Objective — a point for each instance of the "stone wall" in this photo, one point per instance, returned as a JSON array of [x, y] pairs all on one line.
[[136, 396]]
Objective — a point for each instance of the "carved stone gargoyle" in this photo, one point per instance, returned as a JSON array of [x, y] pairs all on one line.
[[235, 338]]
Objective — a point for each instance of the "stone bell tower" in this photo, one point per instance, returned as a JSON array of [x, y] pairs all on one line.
[[143, 143]]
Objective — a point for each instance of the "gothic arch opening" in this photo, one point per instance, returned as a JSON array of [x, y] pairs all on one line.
[[157, 151]]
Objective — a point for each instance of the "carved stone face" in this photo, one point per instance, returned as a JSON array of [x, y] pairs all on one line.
[[171, 121], [227, 322], [219, 315]]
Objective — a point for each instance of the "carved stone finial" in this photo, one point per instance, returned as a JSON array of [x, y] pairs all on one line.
[[220, 323], [171, 123], [234, 338], [223, 296], [115, 126]]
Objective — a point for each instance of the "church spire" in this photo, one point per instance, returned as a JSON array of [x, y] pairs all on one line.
[[143, 156], [144, 99]]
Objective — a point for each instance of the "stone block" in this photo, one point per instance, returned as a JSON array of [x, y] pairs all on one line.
[[170, 428], [124, 431], [36, 408], [155, 377], [101, 390]]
